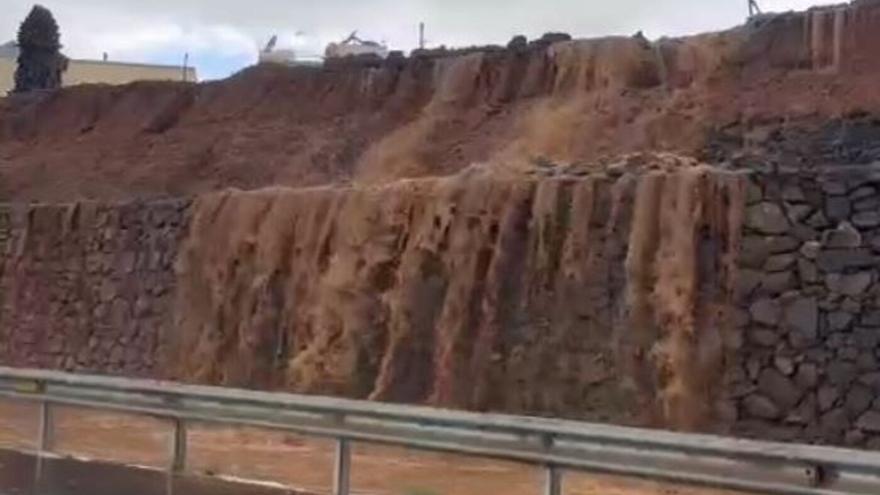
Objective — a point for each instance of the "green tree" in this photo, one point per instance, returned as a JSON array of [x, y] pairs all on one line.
[[40, 62]]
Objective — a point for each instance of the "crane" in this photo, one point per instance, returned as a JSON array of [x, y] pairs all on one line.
[[754, 9]]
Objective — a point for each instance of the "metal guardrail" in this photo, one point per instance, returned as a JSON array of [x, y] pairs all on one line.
[[556, 445]]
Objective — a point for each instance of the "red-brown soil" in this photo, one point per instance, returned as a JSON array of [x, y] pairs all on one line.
[[794, 87]]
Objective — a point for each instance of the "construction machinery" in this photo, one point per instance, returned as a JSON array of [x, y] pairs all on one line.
[[354, 46], [270, 54]]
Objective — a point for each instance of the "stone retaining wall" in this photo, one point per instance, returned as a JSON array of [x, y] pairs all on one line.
[[90, 287], [87, 287], [808, 306]]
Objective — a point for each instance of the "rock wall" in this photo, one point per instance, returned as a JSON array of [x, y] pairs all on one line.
[[808, 299], [691, 298], [86, 286], [597, 297]]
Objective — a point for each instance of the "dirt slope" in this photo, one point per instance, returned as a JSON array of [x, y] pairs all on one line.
[[791, 88]]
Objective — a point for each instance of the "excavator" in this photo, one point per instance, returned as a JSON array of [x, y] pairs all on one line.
[[352, 45]]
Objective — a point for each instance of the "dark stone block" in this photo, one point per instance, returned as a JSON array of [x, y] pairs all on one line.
[[866, 219], [841, 373], [807, 376], [811, 249], [862, 192], [805, 412], [871, 319], [807, 271], [867, 338], [858, 400], [833, 187], [866, 204], [839, 260], [778, 388], [776, 283], [866, 361], [763, 337], [779, 262], [869, 421], [754, 194], [768, 218], [746, 282], [800, 316], [837, 208], [798, 212], [833, 423], [766, 311], [758, 406], [853, 284], [844, 236], [792, 193], [871, 380], [818, 220], [839, 320]]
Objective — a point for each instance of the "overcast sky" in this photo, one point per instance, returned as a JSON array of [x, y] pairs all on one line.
[[223, 36]]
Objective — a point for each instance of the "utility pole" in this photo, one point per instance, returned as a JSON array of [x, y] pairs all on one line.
[[185, 65], [421, 36], [754, 9]]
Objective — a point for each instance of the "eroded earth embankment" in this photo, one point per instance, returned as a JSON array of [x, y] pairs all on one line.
[[797, 88]]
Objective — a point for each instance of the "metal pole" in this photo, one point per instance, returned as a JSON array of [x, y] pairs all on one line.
[[553, 481], [422, 35], [45, 439], [342, 468], [177, 453]]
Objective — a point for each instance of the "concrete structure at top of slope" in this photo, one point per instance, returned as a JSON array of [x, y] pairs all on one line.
[[83, 71]]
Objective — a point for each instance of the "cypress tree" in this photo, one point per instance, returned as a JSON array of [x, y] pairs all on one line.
[[40, 62]]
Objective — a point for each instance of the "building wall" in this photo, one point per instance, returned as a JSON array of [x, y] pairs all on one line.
[[7, 75], [96, 71]]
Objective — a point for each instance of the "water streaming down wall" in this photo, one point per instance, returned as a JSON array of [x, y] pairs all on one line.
[[586, 297]]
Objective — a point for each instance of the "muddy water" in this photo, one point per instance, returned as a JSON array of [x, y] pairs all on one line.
[[304, 464]]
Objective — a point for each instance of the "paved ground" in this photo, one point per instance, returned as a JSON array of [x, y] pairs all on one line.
[[300, 463]]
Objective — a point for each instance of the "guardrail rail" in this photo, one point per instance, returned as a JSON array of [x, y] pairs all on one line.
[[555, 445]]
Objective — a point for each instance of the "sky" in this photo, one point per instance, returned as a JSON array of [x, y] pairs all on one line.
[[223, 36]]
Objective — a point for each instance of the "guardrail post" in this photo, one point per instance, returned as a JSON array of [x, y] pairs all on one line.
[[45, 439], [342, 467], [177, 452], [553, 481]]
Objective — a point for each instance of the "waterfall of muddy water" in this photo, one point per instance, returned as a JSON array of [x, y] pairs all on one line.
[[586, 297]]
